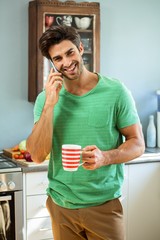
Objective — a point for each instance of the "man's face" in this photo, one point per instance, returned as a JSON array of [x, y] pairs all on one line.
[[67, 59]]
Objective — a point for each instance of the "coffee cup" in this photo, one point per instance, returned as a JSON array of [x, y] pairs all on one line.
[[83, 23], [49, 20], [64, 20], [71, 156]]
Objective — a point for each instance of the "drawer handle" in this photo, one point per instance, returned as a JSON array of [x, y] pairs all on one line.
[[45, 229], [44, 205], [44, 184], [5, 198]]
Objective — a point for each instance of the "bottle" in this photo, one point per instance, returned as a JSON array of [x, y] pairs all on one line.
[[158, 119], [158, 129], [151, 133]]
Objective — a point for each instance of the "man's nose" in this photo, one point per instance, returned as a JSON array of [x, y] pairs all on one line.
[[66, 62]]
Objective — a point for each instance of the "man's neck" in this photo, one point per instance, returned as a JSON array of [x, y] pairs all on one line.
[[82, 85]]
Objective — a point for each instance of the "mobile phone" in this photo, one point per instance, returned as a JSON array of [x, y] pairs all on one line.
[[55, 69]]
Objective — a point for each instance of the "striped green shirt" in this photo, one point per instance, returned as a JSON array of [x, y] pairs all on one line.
[[92, 119]]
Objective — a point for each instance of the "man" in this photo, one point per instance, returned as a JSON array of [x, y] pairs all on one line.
[[85, 108]]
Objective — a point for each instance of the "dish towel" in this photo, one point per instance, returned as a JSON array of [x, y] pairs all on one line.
[[4, 219]]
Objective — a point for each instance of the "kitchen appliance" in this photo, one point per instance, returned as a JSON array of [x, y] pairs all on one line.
[[11, 218]]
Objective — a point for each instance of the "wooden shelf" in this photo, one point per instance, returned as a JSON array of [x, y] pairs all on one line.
[[38, 9]]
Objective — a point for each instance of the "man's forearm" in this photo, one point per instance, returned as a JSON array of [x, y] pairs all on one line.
[[39, 143], [127, 151]]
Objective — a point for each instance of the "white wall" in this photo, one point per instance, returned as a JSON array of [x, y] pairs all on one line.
[[130, 51]]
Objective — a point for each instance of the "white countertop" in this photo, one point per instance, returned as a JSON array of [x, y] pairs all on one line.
[[150, 155]]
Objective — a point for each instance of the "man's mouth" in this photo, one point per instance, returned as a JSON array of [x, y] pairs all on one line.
[[70, 69]]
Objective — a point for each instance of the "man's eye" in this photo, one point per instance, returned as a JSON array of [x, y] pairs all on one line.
[[71, 52], [57, 59]]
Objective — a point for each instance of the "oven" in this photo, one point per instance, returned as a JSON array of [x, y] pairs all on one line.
[[11, 202]]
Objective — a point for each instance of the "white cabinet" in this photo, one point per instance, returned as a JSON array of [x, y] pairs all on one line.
[[124, 198], [37, 223], [142, 205], [39, 229], [140, 200]]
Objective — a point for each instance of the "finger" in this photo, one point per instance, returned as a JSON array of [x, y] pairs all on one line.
[[89, 148], [54, 80], [89, 166], [52, 75], [58, 84], [88, 154], [88, 159], [52, 70]]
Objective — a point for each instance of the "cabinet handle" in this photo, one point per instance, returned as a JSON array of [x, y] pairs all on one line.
[[44, 205], [45, 229], [44, 183]]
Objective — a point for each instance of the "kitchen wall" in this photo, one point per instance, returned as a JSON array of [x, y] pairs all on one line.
[[130, 51]]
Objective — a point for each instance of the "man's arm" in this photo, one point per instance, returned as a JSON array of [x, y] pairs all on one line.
[[39, 143], [133, 147]]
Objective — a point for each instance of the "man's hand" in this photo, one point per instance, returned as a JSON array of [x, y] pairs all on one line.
[[53, 86], [92, 157]]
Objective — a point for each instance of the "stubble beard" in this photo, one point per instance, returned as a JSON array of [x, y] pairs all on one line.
[[76, 76]]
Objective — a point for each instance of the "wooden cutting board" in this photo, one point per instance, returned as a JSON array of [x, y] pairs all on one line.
[[9, 153], [30, 164]]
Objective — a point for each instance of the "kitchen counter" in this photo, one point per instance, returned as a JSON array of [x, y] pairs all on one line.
[[33, 168], [27, 166], [145, 158], [150, 155]]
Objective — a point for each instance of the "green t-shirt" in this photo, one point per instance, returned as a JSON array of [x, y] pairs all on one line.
[[92, 119]]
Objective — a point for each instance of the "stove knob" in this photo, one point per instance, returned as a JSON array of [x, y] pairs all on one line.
[[11, 185], [3, 186]]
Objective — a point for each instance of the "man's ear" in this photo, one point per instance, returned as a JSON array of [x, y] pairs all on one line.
[[81, 48]]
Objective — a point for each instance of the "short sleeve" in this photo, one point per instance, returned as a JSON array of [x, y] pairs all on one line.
[[38, 107], [126, 109]]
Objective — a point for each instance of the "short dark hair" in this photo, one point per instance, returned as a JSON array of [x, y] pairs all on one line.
[[55, 35]]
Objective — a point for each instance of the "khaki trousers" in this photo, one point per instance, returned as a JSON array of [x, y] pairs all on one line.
[[103, 222]]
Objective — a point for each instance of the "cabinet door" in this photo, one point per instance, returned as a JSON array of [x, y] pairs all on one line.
[[144, 201], [39, 229], [36, 183], [84, 16], [36, 206], [124, 197]]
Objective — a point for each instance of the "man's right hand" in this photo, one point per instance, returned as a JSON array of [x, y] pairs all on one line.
[[53, 87]]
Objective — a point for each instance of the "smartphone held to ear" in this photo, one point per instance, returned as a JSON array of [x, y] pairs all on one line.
[[55, 69]]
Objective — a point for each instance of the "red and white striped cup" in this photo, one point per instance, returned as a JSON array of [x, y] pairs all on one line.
[[71, 155]]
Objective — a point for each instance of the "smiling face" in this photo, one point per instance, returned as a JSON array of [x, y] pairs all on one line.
[[67, 58]]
